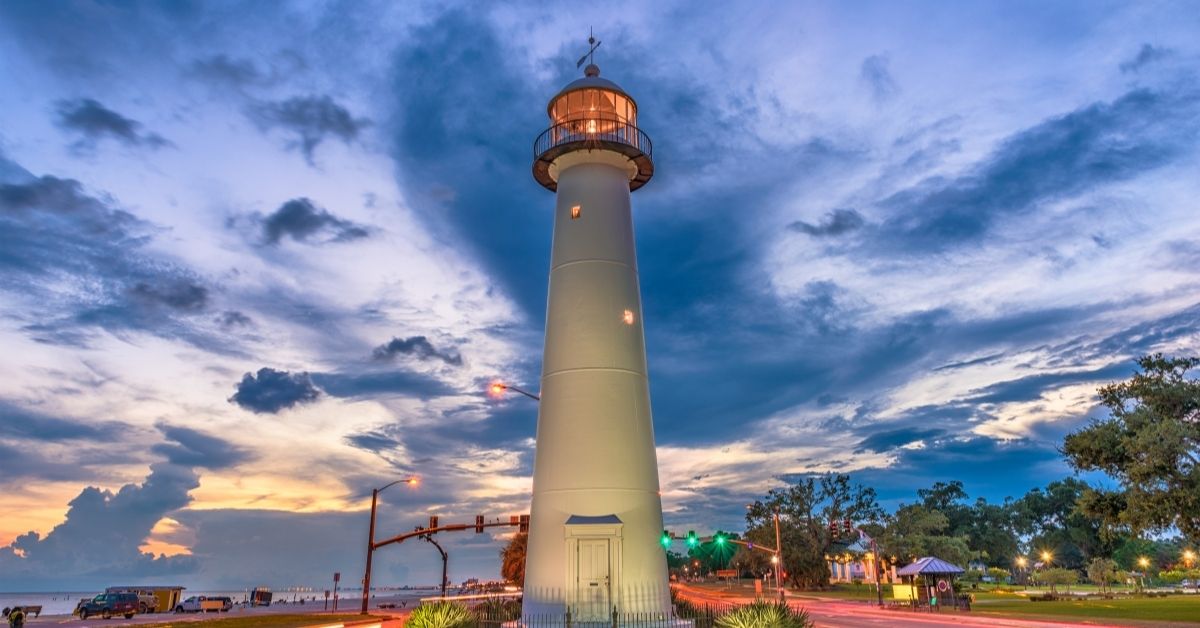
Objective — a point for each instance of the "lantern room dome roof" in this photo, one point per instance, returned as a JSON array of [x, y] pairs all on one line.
[[591, 80]]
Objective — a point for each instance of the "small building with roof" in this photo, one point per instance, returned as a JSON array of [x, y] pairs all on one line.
[[927, 582]]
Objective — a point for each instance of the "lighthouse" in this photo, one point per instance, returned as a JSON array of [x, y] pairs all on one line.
[[596, 517]]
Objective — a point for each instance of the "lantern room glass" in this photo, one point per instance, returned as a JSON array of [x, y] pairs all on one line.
[[594, 114]]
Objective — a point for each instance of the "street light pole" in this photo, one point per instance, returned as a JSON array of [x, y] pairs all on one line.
[[370, 551], [498, 388], [366, 582], [778, 554]]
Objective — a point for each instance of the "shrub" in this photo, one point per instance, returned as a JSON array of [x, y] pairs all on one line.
[[441, 615], [498, 610], [762, 614]]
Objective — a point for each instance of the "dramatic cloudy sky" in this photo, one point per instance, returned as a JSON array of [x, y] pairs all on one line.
[[258, 258]]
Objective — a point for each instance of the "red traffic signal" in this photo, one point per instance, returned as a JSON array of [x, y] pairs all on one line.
[[433, 521], [524, 523], [478, 524], [847, 527], [833, 529]]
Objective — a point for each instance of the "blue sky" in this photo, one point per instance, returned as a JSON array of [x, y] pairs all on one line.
[[258, 258]]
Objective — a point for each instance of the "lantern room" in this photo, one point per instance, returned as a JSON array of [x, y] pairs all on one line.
[[593, 104], [595, 116]]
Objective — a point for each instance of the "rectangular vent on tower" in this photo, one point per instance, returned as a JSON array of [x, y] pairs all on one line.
[[575, 212]]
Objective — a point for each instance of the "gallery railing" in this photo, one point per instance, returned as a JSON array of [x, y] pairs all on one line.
[[598, 130]]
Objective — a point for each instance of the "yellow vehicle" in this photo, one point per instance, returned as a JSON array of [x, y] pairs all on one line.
[[152, 599]]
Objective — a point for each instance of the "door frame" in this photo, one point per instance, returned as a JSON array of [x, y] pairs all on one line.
[[612, 532]]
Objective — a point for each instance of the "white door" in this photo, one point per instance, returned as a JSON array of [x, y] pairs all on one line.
[[593, 580]]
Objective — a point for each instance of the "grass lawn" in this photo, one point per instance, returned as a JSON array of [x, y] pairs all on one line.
[[270, 621], [1178, 608]]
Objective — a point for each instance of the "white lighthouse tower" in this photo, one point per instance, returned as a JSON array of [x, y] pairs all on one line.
[[596, 517]]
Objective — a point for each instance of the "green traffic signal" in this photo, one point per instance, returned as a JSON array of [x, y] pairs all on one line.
[[719, 539], [665, 539], [692, 541]]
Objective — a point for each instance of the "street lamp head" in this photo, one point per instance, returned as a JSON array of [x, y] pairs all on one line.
[[1047, 556], [496, 389], [774, 559], [1021, 561], [1143, 562], [413, 481]]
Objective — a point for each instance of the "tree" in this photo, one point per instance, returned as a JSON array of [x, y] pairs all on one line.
[[754, 561], [1159, 554], [805, 509], [1054, 521], [1103, 572], [512, 559], [998, 575], [1056, 576], [1150, 443], [916, 531], [989, 529], [713, 555], [991, 533], [948, 499]]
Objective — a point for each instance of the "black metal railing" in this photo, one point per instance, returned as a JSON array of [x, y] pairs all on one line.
[[499, 612], [592, 130]]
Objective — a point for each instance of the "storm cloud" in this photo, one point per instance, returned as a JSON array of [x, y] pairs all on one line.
[[301, 220], [416, 346], [310, 120], [1146, 55], [101, 534], [835, 223], [90, 260], [1095, 146], [93, 122], [270, 391], [192, 448]]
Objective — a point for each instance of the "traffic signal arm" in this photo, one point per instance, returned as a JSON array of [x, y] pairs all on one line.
[[753, 546], [400, 538]]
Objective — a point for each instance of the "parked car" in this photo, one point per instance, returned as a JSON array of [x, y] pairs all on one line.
[[203, 604], [108, 604]]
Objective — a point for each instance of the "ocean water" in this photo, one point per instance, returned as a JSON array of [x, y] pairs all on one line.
[[64, 602]]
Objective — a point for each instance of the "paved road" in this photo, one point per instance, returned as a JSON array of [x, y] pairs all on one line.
[[830, 613]]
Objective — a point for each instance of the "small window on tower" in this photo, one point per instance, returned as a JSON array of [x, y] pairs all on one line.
[[575, 212]]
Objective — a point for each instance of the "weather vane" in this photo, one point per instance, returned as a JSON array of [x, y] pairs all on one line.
[[594, 43]]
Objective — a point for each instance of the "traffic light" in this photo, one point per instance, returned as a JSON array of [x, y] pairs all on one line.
[[665, 540], [433, 521], [719, 539], [478, 524], [847, 527], [692, 539], [524, 527], [833, 529]]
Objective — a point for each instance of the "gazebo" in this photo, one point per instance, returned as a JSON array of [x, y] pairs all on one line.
[[927, 581]]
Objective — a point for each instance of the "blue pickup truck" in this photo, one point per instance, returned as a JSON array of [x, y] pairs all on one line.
[[107, 605]]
